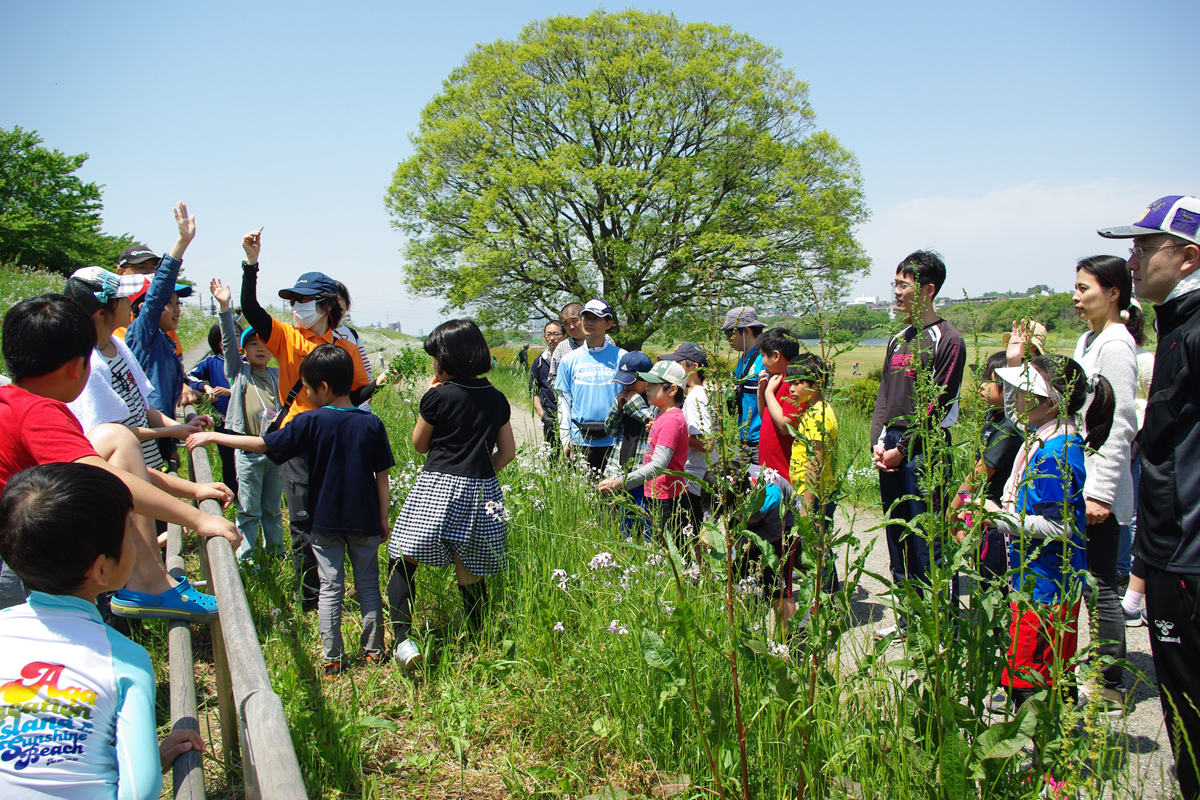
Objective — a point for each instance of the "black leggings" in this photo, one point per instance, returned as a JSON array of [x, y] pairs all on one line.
[[401, 589], [1108, 621]]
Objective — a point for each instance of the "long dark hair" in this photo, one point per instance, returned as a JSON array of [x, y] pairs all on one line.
[[1110, 272], [1066, 377]]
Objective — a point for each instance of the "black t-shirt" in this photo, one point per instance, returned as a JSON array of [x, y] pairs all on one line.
[[467, 415], [1001, 443], [346, 448]]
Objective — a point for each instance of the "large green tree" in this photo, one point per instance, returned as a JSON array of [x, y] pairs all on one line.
[[628, 156], [48, 216]]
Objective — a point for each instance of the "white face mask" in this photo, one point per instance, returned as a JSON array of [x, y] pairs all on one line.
[[305, 315]]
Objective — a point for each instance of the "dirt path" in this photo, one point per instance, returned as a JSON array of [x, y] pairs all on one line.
[[1142, 734]]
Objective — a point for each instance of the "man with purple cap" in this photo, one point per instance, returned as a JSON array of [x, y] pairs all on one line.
[[1165, 263], [585, 386]]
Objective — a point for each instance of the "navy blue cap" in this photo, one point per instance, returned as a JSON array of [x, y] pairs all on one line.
[[631, 364], [310, 285]]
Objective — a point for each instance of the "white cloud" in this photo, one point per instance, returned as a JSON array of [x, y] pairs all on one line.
[[1004, 240]]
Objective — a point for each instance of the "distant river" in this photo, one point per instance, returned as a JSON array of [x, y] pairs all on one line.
[[863, 343]]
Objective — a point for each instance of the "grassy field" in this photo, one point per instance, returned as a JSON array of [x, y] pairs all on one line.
[[606, 669]]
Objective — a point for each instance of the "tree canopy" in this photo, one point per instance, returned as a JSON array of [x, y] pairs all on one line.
[[48, 216], [626, 156]]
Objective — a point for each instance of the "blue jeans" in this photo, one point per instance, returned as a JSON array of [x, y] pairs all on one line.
[[629, 518], [908, 552], [1128, 532], [259, 491]]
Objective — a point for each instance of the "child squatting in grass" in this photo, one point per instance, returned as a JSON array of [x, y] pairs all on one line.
[[348, 457], [455, 511]]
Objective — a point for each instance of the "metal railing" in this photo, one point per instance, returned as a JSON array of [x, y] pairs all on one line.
[[253, 724]]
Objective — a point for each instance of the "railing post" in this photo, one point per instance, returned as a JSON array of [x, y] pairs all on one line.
[[226, 705], [187, 772]]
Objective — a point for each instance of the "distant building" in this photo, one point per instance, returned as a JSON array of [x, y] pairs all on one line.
[[866, 300]]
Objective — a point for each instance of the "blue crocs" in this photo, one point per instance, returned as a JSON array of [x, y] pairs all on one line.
[[183, 602]]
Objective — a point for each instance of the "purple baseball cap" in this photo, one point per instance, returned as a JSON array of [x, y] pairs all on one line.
[[1177, 215]]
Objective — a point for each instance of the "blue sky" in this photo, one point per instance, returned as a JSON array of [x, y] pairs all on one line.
[[1001, 135]]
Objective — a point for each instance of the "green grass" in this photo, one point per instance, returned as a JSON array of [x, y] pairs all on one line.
[[21, 284], [526, 709]]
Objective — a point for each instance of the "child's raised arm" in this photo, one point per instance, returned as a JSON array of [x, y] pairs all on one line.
[[778, 416], [252, 444]]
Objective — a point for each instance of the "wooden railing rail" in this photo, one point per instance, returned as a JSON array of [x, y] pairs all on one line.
[[254, 728]]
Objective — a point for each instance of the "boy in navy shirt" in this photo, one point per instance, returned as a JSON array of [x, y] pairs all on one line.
[[349, 457]]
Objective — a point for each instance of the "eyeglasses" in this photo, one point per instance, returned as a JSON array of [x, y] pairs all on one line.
[[176, 304], [901, 285], [1140, 252]]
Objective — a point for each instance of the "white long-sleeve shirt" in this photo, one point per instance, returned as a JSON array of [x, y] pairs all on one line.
[[1113, 354]]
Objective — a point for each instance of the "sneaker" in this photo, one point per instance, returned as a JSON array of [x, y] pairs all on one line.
[[899, 631], [407, 655], [1112, 703], [1135, 620], [373, 660], [997, 703], [333, 669], [183, 602]]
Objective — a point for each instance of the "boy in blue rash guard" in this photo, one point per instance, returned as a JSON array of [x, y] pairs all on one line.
[[742, 327], [76, 696], [585, 384]]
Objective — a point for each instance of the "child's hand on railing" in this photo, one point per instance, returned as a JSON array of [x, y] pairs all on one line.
[[199, 439], [215, 491], [176, 743]]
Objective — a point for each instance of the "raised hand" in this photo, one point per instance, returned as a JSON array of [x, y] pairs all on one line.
[[1016, 343], [252, 244], [222, 293], [187, 225]]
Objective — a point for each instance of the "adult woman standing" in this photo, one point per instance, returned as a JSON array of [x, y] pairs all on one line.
[[1103, 291], [315, 316]]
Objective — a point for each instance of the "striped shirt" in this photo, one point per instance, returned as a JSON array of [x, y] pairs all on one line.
[[126, 387]]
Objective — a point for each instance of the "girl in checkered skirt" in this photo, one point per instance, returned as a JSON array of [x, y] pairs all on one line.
[[455, 512]]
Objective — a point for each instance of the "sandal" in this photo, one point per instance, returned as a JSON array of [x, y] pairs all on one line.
[[183, 602]]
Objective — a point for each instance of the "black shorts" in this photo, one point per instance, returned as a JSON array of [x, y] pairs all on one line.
[[776, 583]]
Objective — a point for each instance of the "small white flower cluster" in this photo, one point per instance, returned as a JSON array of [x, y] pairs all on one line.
[[692, 571], [616, 628], [627, 577], [768, 475], [779, 650], [668, 607], [558, 627], [748, 586], [497, 510], [603, 561], [560, 577]]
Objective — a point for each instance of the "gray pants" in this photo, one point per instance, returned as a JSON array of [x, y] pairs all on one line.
[[331, 568]]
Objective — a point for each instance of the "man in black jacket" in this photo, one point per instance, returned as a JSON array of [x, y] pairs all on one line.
[[1165, 262]]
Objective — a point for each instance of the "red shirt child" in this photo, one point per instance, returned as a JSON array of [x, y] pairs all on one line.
[[775, 449], [37, 430]]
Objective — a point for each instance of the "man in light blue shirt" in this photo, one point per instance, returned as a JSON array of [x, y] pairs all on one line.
[[586, 388]]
